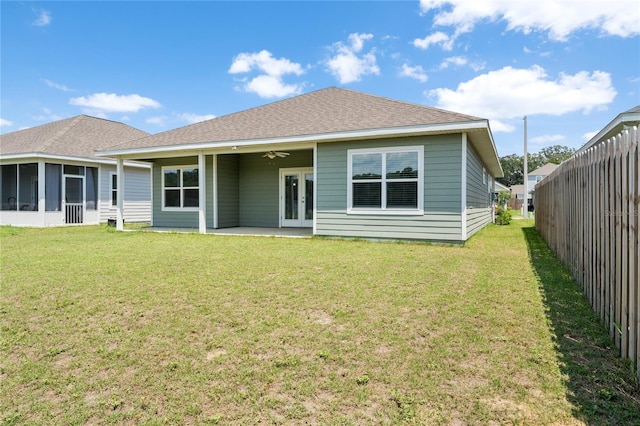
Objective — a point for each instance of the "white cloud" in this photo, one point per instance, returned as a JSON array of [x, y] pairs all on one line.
[[513, 93], [43, 19], [265, 62], [5, 123], [500, 126], [158, 120], [55, 85], [460, 61], [543, 139], [269, 84], [614, 18], [453, 60], [437, 38], [195, 118], [346, 65], [587, 136], [416, 72], [47, 116], [115, 103]]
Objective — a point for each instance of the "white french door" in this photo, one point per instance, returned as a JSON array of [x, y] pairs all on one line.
[[296, 197]]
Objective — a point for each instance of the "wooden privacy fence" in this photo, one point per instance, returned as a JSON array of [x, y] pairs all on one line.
[[587, 211]]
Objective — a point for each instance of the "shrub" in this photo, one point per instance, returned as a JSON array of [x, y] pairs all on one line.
[[503, 217]]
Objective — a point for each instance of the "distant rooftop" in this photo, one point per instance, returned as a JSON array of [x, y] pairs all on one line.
[[78, 136]]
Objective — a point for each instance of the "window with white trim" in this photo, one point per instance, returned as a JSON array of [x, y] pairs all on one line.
[[113, 190], [180, 188], [385, 180]]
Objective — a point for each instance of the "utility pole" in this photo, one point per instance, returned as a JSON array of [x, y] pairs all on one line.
[[525, 204]]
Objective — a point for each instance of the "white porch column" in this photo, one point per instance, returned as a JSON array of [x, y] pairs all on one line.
[[315, 186], [120, 194], [215, 191], [202, 193], [463, 189], [41, 194]]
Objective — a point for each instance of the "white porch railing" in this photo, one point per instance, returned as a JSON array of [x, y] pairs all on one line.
[[73, 213]]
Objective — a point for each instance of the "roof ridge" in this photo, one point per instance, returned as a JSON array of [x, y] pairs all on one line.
[[73, 121], [410, 103]]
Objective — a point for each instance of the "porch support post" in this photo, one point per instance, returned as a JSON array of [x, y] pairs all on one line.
[[463, 189], [315, 186], [41, 194], [202, 193], [120, 194], [215, 191]]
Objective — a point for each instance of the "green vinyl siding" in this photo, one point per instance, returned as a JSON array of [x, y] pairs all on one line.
[[258, 183], [478, 195], [228, 191], [441, 220], [171, 219]]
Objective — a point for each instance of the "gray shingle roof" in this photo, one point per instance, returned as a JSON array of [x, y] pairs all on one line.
[[544, 170], [324, 111], [77, 136]]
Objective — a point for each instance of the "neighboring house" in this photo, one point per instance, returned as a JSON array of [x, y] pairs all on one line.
[[49, 174], [344, 163], [500, 187], [533, 177], [626, 119], [537, 175]]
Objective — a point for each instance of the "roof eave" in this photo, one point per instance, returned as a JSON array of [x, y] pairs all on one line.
[[320, 137], [619, 121], [6, 158]]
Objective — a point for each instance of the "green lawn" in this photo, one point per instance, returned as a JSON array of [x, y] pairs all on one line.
[[102, 327]]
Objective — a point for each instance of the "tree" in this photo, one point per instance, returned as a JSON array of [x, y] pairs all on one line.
[[556, 154], [512, 166]]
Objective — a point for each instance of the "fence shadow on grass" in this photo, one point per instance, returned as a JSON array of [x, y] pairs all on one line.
[[600, 385]]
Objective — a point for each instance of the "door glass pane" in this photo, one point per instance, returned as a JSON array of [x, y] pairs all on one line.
[[291, 197], [73, 190], [308, 197]]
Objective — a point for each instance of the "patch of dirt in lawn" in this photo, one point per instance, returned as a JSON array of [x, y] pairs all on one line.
[[320, 317]]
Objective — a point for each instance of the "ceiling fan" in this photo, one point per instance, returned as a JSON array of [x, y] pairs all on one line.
[[273, 154]]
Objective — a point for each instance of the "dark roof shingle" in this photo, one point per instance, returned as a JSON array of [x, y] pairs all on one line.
[[77, 136], [324, 111]]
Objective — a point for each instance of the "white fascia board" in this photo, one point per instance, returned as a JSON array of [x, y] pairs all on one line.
[[9, 158], [312, 138], [629, 117]]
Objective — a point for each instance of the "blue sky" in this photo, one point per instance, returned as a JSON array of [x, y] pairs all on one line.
[[570, 66]]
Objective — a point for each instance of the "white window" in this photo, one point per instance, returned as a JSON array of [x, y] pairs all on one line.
[[180, 188], [484, 175], [113, 190], [385, 180]]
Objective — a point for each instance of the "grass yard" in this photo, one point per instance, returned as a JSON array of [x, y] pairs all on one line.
[[101, 327]]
